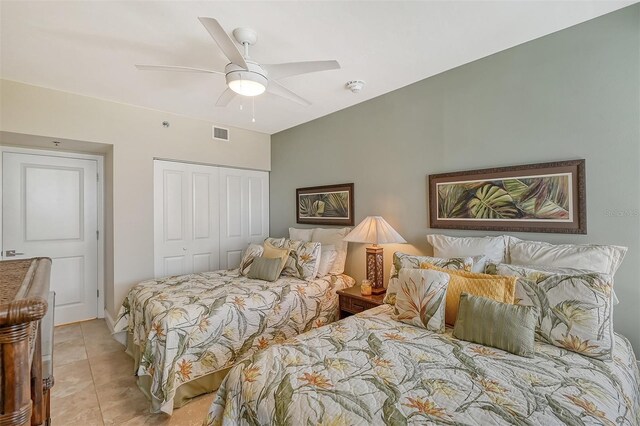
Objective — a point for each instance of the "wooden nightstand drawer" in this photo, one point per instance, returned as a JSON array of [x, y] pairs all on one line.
[[354, 305], [352, 302]]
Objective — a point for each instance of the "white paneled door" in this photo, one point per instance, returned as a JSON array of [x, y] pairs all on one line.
[[186, 218], [50, 209], [206, 215], [244, 212]]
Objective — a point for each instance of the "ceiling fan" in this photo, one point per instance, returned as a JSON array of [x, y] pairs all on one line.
[[244, 76]]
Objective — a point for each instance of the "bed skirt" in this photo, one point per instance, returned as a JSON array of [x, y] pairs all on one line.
[[185, 392]]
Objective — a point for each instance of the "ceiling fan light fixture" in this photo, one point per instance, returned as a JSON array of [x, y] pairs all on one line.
[[246, 83], [244, 76]]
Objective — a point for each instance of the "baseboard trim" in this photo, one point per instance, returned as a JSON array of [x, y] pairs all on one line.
[[110, 322], [120, 337]]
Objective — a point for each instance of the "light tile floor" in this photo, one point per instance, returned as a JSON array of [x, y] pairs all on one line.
[[95, 385]]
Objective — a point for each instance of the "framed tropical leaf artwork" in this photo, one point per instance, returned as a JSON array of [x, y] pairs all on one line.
[[325, 205], [545, 197]]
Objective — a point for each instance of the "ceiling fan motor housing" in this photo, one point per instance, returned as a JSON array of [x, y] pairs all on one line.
[[247, 82]]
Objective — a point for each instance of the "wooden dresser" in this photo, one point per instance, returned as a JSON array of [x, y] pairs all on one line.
[[24, 289]]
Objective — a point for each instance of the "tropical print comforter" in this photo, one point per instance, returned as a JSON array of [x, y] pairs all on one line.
[[370, 369], [192, 325]]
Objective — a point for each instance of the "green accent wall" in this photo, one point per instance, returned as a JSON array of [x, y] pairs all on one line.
[[572, 94]]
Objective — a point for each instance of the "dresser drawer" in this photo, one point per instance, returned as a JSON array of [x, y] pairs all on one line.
[[354, 305]]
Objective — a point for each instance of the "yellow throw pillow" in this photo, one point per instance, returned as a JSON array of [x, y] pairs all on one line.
[[272, 252], [496, 287]]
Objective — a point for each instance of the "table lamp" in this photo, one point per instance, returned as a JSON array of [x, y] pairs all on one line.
[[374, 230]]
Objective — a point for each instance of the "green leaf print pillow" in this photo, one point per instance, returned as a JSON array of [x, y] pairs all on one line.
[[576, 309], [404, 260]]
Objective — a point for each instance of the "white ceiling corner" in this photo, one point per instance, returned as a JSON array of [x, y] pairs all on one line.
[[90, 48]]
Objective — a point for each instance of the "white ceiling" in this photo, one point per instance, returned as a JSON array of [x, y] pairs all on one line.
[[90, 47]]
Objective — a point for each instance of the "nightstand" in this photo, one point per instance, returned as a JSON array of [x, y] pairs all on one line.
[[352, 302]]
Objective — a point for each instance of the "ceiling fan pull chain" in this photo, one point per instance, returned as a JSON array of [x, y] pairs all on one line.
[[253, 109]]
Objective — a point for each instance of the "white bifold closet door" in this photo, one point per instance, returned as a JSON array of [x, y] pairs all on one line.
[[244, 212], [206, 215], [186, 205]]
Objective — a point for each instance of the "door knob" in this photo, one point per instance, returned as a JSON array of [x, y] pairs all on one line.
[[12, 253]]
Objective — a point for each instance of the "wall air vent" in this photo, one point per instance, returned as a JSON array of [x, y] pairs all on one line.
[[220, 134]]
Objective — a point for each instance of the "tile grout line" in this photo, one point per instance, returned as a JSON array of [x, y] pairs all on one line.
[[93, 379]]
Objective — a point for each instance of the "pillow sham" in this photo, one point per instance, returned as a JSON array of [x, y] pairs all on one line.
[[598, 258], [495, 287], [300, 234], [576, 310], [265, 268], [491, 268], [328, 255], [504, 326], [335, 237], [404, 260], [421, 298], [275, 252], [493, 248], [303, 261], [250, 253]]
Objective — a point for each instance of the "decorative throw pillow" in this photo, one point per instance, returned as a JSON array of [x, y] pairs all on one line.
[[300, 234], [276, 242], [266, 269], [410, 261], [335, 237], [328, 255], [275, 252], [492, 248], [495, 287], [511, 328], [304, 259], [250, 253], [575, 309], [421, 297], [491, 268]]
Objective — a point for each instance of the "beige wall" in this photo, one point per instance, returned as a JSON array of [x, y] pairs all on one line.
[[572, 94], [135, 137]]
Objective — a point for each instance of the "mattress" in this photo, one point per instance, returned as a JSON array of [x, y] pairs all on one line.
[[371, 369], [187, 327]]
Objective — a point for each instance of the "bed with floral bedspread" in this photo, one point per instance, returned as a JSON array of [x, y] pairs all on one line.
[[371, 369], [187, 327]]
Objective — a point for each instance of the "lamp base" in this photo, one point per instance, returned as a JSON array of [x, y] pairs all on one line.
[[378, 291], [375, 269]]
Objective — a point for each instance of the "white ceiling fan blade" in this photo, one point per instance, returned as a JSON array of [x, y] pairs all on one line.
[[175, 68], [278, 71], [278, 89], [225, 98], [227, 45]]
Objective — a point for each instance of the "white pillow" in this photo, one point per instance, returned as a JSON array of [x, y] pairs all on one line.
[[300, 234], [492, 248], [327, 258], [335, 237], [597, 258]]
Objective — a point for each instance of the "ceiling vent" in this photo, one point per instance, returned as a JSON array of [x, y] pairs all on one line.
[[220, 134]]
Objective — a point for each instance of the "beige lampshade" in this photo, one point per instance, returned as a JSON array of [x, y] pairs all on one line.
[[374, 230]]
